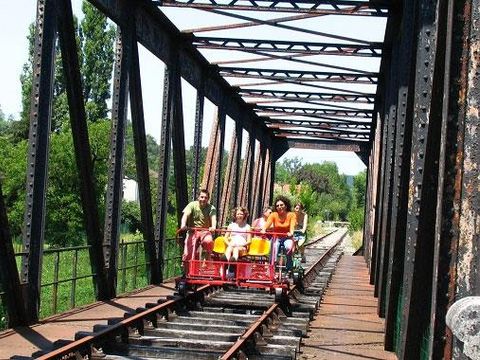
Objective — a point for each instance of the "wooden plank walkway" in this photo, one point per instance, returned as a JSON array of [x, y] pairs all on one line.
[[22, 342], [346, 325]]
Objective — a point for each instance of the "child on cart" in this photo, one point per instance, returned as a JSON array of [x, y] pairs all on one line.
[[237, 236]]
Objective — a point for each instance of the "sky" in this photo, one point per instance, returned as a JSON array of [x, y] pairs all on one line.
[[15, 17]]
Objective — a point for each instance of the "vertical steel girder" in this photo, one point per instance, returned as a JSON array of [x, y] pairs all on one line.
[[219, 166], [197, 138], [141, 162], [250, 172], [376, 245], [259, 178], [213, 167], [397, 232], [423, 183], [37, 158], [230, 179], [455, 247], [9, 279], [169, 103], [371, 203], [244, 185], [387, 186], [237, 161], [115, 169], [211, 161], [81, 144], [178, 145], [268, 183]]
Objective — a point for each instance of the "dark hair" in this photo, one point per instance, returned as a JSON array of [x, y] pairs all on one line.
[[299, 204], [205, 191], [267, 208], [285, 200], [242, 209]]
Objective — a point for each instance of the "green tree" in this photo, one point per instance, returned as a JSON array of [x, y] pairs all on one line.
[[97, 39], [20, 128], [285, 171]]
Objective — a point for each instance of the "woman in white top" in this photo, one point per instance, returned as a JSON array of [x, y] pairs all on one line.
[[238, 235]]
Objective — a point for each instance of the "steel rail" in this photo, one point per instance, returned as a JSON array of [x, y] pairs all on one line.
[[254, 328], [87, 342]]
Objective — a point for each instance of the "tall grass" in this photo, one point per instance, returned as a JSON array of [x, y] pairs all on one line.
[[67, 280]]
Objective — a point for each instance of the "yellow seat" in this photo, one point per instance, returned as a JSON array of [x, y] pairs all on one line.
[[219, 245], [259, 247]]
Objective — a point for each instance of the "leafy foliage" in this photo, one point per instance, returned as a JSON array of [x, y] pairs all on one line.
[[323, 191], [97, 50]]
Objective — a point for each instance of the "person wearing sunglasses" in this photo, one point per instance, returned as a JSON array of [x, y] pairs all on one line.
[[282, 221]]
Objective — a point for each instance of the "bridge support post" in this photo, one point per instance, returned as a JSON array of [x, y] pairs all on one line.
[[423, 183], [197, 137], [401, 166], [141, 162], [81, 144], [9, 278], [37, 158], [169, 104]]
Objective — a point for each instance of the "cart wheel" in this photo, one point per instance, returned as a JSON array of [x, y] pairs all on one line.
[[182, 288], [278, 295]]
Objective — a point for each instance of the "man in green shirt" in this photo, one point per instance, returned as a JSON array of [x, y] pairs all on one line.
[[203, 215]]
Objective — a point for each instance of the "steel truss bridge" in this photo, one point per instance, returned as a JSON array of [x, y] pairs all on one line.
[[408, 108]]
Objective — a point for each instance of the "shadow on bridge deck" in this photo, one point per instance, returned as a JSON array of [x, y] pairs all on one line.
[[22, 342]]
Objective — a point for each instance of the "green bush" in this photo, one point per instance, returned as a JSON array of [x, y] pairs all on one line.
[[356, 218]]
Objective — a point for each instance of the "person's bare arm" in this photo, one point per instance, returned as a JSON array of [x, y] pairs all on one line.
[[213, 223], [305, 223], [183, 222]]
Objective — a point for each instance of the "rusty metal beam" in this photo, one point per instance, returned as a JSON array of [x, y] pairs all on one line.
[[141, 162], [37, 158], [401, 165], [423, 183], [237, 161], [115, 169], [338, 7], [311, 111], [168, 112], [226, 200], [298, 47], [211, 161], [326, 145], [9, 278], [451, 220], [305, 96], [81, 144], [160, 36], [178, 145], [243, 189], [219, 182], [300, 76], [197, 139]]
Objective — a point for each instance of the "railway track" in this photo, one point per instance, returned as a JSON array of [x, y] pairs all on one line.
[[214, 322]]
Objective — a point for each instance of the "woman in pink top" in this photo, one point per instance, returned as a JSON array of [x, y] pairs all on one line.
[[258, 223]]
